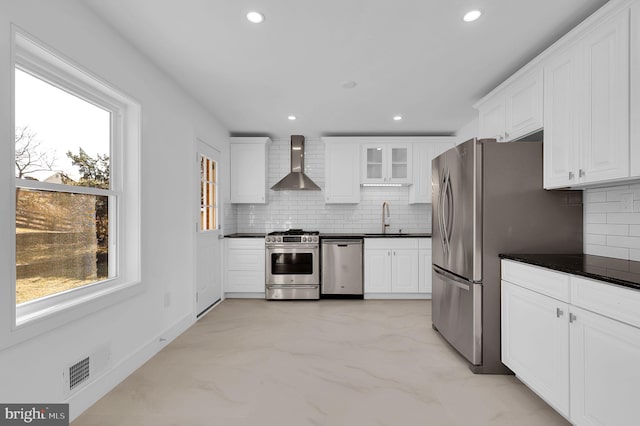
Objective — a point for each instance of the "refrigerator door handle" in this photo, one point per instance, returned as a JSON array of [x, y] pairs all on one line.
[[454, 280], [445, 212], [450, 211], [441, 224]]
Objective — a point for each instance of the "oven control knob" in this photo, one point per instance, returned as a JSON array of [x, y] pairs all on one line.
[[315, 239], [268, 239], [279, 239], [304, 239]]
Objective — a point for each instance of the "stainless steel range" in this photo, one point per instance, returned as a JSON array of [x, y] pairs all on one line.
[[293, 266]]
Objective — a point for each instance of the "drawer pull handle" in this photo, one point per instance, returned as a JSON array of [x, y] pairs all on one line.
[[559, 312], [572, 317]]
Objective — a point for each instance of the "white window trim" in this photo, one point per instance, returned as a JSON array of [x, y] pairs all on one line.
[[41, 315]]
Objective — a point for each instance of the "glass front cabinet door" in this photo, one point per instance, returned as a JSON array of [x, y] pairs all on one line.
[[386, 163]]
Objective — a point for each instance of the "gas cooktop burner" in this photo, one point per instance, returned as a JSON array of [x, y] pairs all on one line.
[[294, 232]]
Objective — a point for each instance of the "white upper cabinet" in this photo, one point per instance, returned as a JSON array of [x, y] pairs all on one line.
[[586, 107], [561, 99], [248, 170], [605, 140], [634, 149], [514, 111], [584, 91], [423, 153], [342, 171], [492, 118], [386, 163], [524, 105]]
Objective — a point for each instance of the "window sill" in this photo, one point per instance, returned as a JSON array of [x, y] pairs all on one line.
[[43, 319]]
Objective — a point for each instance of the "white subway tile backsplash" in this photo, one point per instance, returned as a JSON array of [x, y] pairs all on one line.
[[616, 195], [634, 254], [606, 218], [595, 218], [624, 242], [602, 207], [600, 240], [617, 252], [609, 229], [628, 218], [307, 210], [595, 197]]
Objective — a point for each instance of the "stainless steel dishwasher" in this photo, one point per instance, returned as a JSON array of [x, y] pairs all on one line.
[[342, 267]]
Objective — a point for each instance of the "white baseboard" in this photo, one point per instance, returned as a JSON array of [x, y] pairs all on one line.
[[233, 295], [104, 383], [417, 296]]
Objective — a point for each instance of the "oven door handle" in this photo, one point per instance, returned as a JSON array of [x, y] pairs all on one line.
[[293, 246]]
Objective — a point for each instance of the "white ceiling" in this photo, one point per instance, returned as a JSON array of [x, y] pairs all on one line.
[[416, 58]]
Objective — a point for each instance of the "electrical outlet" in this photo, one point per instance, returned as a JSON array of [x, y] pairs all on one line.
[[626, 202]]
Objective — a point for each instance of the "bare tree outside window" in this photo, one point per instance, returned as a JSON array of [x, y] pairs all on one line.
[[30, 157]]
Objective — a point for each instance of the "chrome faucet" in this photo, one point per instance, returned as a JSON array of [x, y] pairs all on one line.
[[385, 218]]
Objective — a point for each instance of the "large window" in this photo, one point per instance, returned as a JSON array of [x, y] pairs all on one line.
[[76, 185], [63, 142]]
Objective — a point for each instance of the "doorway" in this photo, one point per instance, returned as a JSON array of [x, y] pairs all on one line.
[[208, 229]]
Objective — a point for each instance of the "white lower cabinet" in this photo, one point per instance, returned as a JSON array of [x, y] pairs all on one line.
[[581, 354], [377, 271], [245, 266], [605, 370], [535, 343], [391, 265], [404, 271], [426, 261]]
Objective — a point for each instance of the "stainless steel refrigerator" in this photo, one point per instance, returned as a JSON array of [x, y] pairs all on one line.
[[488, 199]]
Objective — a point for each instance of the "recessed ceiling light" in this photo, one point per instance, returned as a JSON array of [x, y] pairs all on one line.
[[472, 16], [292, 117], [349, 84], [255, 17], [397, 118]]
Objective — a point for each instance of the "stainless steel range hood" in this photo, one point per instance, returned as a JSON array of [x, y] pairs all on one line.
[[296, 180]]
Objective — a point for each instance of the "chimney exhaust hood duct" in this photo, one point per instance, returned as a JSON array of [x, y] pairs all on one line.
[[296, 180]]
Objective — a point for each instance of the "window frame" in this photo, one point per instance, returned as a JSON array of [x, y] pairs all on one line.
[[203, 205], [40, 315]]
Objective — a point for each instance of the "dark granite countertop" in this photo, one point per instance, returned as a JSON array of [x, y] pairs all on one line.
[[616, 271], [373, 235], [336, 235]]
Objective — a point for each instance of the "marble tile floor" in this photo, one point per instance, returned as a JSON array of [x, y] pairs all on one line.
[[328, 362]]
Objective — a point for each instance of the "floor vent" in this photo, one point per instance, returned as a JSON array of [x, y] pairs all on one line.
[[79, 373]]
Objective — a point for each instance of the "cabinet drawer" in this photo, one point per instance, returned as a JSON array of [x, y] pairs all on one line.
[[245, 281], [246, 260], [541, 280], [610, 300], [424, 243], [390, 243], [246, 243]]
